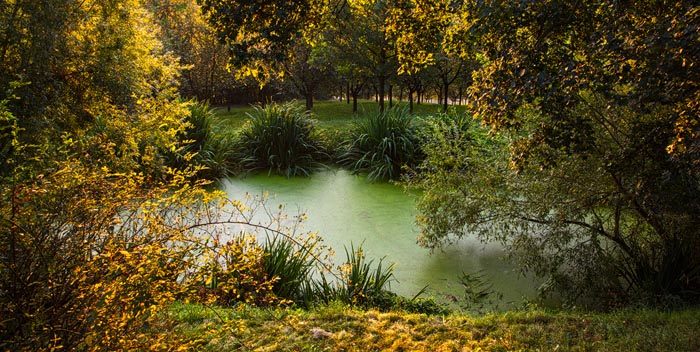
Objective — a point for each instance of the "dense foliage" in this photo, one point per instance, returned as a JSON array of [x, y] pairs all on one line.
[[184, 31], [103, 222], [589, 172], [201, 145], [261, 29], [597, 187]]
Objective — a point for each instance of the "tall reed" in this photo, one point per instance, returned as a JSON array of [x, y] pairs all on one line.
[[359, 283]]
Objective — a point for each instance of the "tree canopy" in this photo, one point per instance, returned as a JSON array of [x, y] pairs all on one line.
[[598, 185], [256, 30]]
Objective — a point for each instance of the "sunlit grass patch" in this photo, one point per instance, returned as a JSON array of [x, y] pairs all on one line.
[[330, 114], [339, 327]]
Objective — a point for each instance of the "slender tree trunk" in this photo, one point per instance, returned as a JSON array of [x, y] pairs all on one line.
[[446, 87], [348, 96], [355, 91], [380, 92], [410, 101], [391, 96], [309, 102]]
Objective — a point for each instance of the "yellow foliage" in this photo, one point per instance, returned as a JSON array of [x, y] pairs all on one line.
[[110, 256]]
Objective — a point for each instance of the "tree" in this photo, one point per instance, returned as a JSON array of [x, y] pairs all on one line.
[[185, 32], [262, 32], [262, 35], [425, 43], [413, 82], [348, 66], [364, 35], [74, 65], [596, 187], [87, 106], [307, 68]]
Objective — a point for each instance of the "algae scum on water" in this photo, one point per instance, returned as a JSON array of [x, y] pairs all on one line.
[[345, 209]]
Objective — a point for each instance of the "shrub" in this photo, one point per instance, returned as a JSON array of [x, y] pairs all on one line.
[[282, 139], [454, 145], [607, 227], [88, 258], [214, 154], [276, 272], [219, 157], [382, 144], [236, 273]]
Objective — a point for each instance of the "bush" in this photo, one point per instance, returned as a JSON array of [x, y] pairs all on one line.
[[282, 139], [236, 273], [213, 154], [88, 258], [276, 272], [616, 225], [382, 144]]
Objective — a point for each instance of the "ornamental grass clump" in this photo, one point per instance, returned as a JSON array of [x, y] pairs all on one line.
[[282, 139], [290, 265], [359, 283], [382, 144]]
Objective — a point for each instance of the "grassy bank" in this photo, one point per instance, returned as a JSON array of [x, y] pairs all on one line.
[[339, 328], [331, 115]]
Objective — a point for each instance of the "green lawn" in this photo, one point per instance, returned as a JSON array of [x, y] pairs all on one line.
[[331, 114]]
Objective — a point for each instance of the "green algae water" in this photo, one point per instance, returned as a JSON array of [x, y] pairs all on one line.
[[345, 209]]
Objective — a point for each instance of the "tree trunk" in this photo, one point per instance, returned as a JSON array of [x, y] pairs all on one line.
[[348, 96], [355, 91], [380, 92], [309, 102], [391, 96], [410, 101], [445, 87]]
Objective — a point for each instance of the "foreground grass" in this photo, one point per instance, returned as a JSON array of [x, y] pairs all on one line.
[[340, 328]]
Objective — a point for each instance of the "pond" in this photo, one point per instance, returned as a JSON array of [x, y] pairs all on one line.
[[345, 209]]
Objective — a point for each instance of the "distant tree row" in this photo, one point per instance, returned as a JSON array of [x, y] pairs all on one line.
[[239, 52]]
